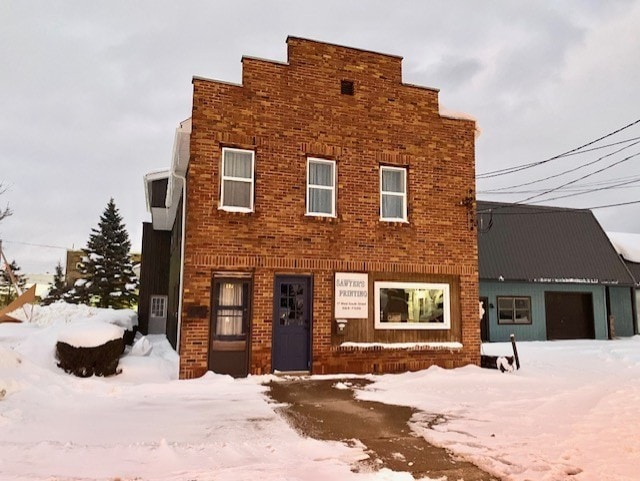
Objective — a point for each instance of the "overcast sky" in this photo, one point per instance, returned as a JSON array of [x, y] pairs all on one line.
[[91, 93]]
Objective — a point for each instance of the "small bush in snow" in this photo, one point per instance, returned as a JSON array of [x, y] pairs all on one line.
[[88, 361]]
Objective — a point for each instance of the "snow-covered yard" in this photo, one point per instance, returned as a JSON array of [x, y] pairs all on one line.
[[572, 412]]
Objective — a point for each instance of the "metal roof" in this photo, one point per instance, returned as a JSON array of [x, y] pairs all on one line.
[[545, 244]]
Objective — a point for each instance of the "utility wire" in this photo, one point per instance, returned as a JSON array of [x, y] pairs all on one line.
[[577, 187], [580, 178], [494, 211], [568, 171], [511, 170], [36, 245], [577, 190], [573, 194]]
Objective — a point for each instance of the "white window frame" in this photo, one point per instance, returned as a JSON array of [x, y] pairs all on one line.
[[446, 306], [164, 302], [251, 180], [332, 188], [397, 194]]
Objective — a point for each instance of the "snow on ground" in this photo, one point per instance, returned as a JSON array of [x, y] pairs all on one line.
[[144, 424], [571, 412]]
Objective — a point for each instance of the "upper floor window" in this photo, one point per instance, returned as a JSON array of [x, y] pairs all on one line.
[[321, 187], [393, 194], [236, 190]]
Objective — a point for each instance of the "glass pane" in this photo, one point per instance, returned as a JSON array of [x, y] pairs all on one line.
[[522, 317], [505, 315], [320, 201], [237, 164], [230, 294], [229, 322], [505, 303], [392, 207], [237, 193], [320, 173], [393, 180], [522, 303]]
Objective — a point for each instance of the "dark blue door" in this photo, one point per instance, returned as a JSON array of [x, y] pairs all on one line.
[[292, 324]]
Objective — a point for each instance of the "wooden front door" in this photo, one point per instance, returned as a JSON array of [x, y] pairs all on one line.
[[292, 324], [569, 315], [229, 344]]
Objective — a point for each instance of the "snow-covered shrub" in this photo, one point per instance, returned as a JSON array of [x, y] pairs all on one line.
[[90, 348]]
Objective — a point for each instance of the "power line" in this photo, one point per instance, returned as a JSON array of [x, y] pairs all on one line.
[[568, 171], [588, 191], [578, 189], [511, 170], [548, 210], [35, 245], [580, 178]]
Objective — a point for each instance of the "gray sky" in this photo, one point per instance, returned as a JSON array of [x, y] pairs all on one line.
[[91, 92]]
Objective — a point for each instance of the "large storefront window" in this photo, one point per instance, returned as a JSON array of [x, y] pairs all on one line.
[[412, 305]]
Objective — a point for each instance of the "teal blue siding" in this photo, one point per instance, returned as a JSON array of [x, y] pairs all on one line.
[[537, 330], [620, 303]]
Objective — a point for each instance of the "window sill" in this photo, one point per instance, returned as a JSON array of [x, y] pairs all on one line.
[[322, 218], [236, 210], [394, 221], [415, 346]]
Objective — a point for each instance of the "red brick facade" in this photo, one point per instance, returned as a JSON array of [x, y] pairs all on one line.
[[285, 113]]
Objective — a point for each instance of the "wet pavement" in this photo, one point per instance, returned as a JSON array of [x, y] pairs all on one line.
[[318, 410]]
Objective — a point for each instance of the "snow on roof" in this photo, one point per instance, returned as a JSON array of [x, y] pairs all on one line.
[[626, 244], [454, 114]]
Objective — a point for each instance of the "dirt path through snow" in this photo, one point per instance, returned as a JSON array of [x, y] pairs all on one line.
[[321, 411]]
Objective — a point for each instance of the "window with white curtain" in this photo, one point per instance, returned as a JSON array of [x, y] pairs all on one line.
[[231, 308], [393, 194], [237, 179], [321, 187]]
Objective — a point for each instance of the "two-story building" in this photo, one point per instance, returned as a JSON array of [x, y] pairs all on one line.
[[328, 224]]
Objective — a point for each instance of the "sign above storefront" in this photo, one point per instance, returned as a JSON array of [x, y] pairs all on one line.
[[351, 295]]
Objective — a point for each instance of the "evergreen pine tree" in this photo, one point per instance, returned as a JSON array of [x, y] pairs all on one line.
[[7, 290], [58, 287], [107, 269]]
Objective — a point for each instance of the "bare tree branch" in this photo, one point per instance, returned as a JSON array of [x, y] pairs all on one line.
[[6, 212]]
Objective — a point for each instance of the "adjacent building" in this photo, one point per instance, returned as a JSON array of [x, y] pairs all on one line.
[[550, 273], [318, 217]]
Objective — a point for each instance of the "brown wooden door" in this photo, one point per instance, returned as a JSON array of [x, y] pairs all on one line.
[[230, 327], [569, 315]]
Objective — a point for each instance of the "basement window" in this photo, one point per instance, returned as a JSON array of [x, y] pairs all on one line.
[[346, 87], [412, 305]]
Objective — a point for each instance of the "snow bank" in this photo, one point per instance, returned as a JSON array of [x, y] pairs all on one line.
[[67, 313], [627, 245], [91, 333]]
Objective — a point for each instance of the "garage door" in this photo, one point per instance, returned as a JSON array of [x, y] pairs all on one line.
[[569, 315]]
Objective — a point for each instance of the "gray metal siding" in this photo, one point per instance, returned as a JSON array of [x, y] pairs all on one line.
[[620, 302], [545, 244], [537, 330]]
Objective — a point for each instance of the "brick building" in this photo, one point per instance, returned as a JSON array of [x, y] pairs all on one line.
[[328, 223]]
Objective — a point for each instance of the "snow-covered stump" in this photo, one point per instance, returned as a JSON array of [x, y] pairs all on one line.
[[90, 348]]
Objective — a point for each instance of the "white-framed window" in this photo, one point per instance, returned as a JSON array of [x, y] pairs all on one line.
[[514, 310], [321, 187], [412, 305], [158, 307], [393, 194], [237, 180]]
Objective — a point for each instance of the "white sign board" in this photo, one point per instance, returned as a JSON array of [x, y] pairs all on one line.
[[351, 295]]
